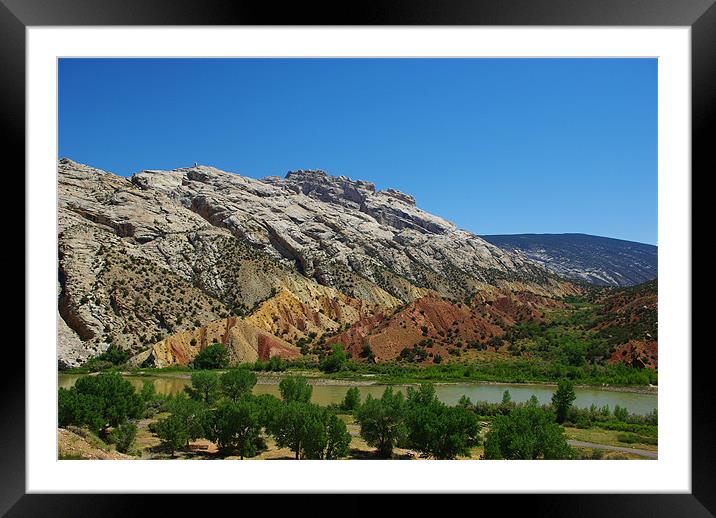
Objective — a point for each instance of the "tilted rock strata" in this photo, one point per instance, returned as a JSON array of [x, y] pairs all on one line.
[[336, 230], [171, 252], [244, 341]]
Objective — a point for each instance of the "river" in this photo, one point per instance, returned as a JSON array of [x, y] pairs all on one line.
[[326, 393]]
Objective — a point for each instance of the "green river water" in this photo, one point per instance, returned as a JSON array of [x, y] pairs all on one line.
[[449, 393]]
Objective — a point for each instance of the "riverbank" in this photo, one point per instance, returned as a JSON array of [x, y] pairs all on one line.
[[319, 378], [316, 377], [328, 391]]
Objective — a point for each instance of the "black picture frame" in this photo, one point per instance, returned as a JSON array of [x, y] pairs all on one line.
[[699, 15]]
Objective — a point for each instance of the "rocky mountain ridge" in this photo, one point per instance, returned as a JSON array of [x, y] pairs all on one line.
[[162, 253]]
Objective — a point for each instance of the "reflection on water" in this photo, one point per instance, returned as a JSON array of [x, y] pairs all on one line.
[[449, 393]]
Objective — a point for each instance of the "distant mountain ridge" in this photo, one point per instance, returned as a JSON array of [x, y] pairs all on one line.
[[594, 259]]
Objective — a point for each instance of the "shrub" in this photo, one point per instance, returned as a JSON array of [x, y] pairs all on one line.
[[276, 364], [366, 352], [97, 365], [123, 436], [334, 361], [621, 413]]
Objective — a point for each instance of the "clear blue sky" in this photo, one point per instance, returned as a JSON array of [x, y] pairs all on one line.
[[499, 146]]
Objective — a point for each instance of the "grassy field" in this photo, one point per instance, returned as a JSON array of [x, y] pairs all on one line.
[[607, 437]]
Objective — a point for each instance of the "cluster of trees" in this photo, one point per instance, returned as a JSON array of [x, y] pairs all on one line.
[[526, 430], [561, 405], [223, 409], [107, 405], [419, 421], [565, 341]]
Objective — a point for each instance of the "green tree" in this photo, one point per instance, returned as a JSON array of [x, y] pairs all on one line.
[[425, 395], [295, 388], [186, 422], [214, 356], [335, 360], [236, 427], [173, 433], [99, 402], [381, 421], [312, 432], [115, 355], [269, 407], [527, 432], [436, 429], [112, 357], [300, 426], [192, 413], [575, 352], [79, 410], [352, 399], [338, 438], [237, 383], [204, 386], [563, 398]]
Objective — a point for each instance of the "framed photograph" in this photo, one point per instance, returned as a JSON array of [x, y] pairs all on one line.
[[448, 241]]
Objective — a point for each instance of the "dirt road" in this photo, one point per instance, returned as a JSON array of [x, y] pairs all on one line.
[[641, 453]]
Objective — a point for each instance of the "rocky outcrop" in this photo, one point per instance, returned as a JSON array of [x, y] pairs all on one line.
[[637, 353]]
